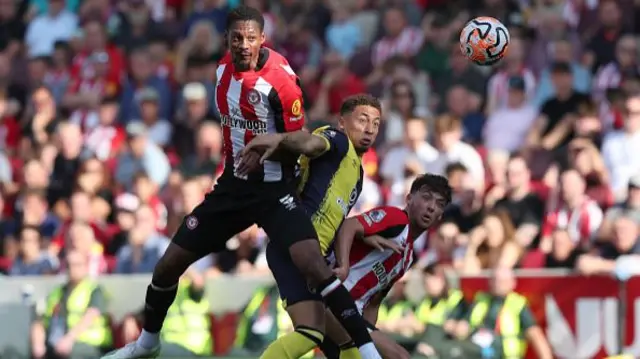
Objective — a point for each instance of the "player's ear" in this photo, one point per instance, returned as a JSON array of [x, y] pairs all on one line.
[[341, 122], [263, 38]]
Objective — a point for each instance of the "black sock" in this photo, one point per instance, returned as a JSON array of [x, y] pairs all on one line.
[[157, 304], [330, 349], [344, 309]]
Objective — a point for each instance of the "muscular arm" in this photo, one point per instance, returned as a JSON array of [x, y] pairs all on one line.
[[349, 229], [304, 143]]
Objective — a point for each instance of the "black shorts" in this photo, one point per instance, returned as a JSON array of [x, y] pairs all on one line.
[[235, 205], [292, 284]]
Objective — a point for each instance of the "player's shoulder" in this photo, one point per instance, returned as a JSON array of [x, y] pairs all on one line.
[[330, 133], [386, 214], [226, 59], [279, 72]]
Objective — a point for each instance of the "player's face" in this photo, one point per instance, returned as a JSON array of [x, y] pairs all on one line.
[[361, 126], [425, 207], [244, 41]]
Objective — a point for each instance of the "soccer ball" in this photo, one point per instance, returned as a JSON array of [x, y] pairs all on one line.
[[484, 40]]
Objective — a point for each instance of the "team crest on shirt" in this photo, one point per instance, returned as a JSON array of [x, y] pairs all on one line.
[[192, 222], [296, 108], [377, 215], [253, 97]]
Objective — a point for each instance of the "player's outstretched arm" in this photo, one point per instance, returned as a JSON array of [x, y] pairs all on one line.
[[350, 229]]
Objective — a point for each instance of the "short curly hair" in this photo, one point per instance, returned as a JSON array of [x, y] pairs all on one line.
[[435, 183], [350, 104], [245, 13]]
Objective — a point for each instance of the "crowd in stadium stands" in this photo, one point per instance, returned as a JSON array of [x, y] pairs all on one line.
[[109, 134]]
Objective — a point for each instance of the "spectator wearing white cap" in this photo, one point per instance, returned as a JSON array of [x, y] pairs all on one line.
[[142, 155], [158, 129]]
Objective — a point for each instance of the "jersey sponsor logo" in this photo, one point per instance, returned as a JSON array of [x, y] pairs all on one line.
[[253, 97], [346, 206], [384, 278], [377, 215], [288, 202], [257, 127], [296, 108], [295, 119], [329, 133]]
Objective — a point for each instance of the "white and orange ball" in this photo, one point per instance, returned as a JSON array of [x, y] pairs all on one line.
[[484, 40]]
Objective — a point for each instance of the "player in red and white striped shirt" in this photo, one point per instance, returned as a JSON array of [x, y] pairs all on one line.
[[375, 249], [257, 93]]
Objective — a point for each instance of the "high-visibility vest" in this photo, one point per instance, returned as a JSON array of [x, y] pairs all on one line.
[[99, 333], [514, 344], [188, 323], [282, 320], [394, 311], [437, 314]]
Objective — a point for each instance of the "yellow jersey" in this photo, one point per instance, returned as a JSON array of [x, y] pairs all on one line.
[[330, 184]]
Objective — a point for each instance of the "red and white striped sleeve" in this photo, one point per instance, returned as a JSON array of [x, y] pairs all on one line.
[[386, 221]]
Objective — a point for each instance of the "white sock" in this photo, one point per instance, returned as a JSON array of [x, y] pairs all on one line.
[[148, 340], [369, 351]]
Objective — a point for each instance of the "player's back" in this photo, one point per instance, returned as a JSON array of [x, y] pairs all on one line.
[[330, 184], [261, 101], [372, 271]]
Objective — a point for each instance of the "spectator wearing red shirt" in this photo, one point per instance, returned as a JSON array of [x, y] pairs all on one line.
[[106, 139], [95, 41], [148, 193], [337, 84], [80, 203], [85, 94]]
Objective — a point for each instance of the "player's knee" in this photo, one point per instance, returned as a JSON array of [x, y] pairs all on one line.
[[172, 265]]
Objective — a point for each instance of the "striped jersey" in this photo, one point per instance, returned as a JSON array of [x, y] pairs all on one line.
[[251, 103], [372, 271]]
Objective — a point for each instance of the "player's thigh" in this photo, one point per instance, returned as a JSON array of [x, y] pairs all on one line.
[[335, 330], [212, 223], [292, 285], [285, 221]]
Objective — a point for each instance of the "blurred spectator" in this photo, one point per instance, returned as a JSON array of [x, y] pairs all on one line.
[[577, 213], [158, 129], [343, 35], [492, 245], [611, 75], [81, 238], [72, 328], [564, 251], [241, 255], [399, 38], [67, 163], [601, 47], [396, 312], [136, 26], [628, 208], [107, 138], [554, 127], [145, 246], [54, 25], [203, 45], [214, 11], [512, 65], [42, 118], [125, 207], [624, 242], [402, 108], [562, 51], [12, 28], [207, 154], [31, 259], [141, 156], [507, 128], [451, 149], [136, 88], [617, 147], [84, 95]]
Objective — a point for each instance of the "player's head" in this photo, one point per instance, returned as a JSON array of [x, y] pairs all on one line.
[[427, 199], [245, 36], [360, 120]]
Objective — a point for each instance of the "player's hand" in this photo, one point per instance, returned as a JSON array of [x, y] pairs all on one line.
[[381, 244], [341, 272], [265, 144], [248, 162]]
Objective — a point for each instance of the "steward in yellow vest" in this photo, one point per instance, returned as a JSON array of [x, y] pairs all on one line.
[[438, 314], [74, 324], [500, 323], [395, 310], [187, 328], [262, 321]]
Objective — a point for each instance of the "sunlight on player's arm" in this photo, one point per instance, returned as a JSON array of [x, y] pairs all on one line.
[[304, 143], [350, 229]]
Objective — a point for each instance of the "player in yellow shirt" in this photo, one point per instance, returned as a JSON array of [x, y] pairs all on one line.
[[330, 182]]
